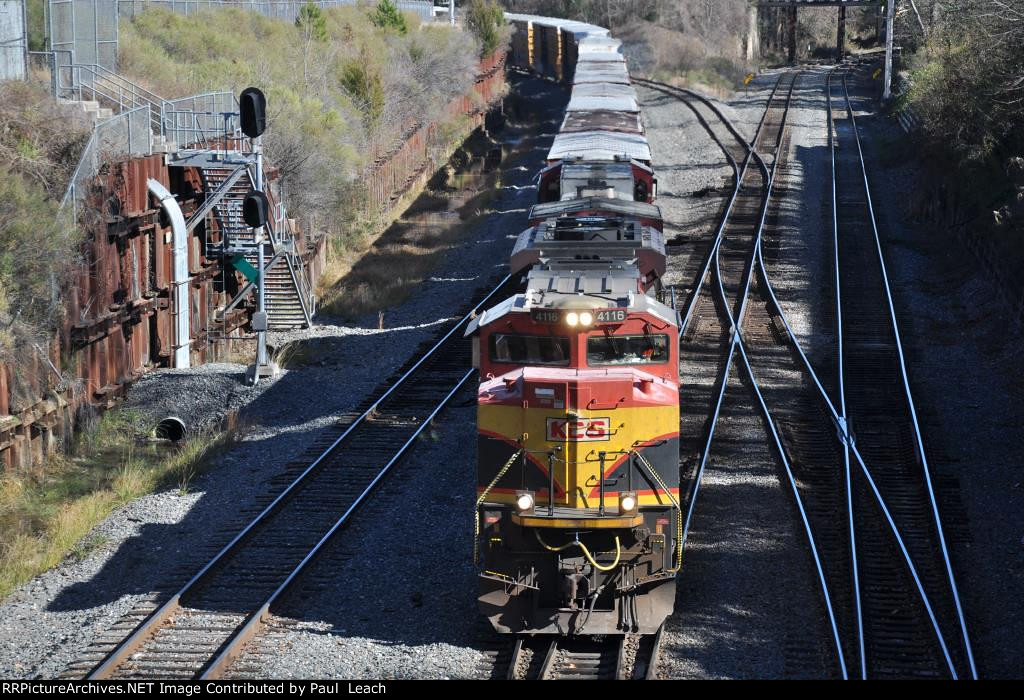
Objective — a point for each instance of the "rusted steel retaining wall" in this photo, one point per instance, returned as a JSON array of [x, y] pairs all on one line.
[[119, 320], [120, 317]]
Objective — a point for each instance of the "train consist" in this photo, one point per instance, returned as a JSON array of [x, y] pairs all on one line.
[[578, 516]]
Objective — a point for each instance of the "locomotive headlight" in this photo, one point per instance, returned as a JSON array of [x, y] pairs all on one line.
[[586, 318], [627, 502], [524, 502], [572, 318]]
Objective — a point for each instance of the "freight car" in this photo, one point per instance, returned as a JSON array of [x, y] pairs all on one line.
[[578, 522]]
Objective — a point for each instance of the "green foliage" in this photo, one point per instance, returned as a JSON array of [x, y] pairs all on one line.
[[485, 20], [363, 83], [311, 22], [35, 16], [39, 139], [332, 103], [968, 84], [388, 16], [40, 143], [35, 253]]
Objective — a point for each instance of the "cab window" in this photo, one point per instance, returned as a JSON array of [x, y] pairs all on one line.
[[529, 349], [627, 350]]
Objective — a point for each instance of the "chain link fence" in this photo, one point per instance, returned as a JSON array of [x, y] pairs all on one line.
[[87, 29], [279, 9], [127, 134], [84, 31], [13, 40]]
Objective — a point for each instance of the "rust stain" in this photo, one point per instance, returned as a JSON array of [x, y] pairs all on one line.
[[119, 321]]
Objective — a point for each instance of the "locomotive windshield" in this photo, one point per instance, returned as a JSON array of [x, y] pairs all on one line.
[[529, 349], [627, 350]]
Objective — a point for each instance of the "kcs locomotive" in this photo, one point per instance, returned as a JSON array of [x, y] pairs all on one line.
[[578, 520]]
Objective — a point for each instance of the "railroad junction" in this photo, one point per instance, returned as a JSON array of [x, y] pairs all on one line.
[[755, 192]]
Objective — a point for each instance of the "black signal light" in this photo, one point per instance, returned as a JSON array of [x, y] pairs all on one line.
[[253, 107], [255, 209]]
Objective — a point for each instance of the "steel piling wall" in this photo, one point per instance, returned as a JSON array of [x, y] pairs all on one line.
[[119, 320]]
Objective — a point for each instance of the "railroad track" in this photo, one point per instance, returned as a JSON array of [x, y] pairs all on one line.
[[901, 637], [854, 452], [546, 658], [201, 628], [714, 309], [868, 508], [705, 332]]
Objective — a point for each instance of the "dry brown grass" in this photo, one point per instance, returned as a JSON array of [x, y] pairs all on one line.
[[406, 245], [47, 513], [400, 259]]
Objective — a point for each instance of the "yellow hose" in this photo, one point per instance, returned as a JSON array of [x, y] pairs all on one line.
[[586, 552]]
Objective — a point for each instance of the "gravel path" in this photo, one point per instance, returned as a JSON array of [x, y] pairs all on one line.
[[158, 541]]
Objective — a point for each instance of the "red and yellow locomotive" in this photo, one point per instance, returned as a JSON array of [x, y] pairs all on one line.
[[578, 517], [578, 480]]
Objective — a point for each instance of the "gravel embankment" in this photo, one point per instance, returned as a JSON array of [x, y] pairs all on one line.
[[395, 596], [159, 540], [964, 359]]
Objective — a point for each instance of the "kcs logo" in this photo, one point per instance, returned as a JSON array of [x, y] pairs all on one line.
[[579, 429]]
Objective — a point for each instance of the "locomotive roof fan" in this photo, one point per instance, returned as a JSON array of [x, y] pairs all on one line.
[[252, 105]]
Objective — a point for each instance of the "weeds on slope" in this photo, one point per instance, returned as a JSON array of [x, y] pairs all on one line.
[[47, 513]]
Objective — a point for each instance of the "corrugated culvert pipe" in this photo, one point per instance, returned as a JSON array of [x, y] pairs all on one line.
[[171, 428]]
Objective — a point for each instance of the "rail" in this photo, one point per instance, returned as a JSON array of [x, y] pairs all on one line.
[[908, 394], [848, 443], [736, 323], [613, 657], [253, 618]]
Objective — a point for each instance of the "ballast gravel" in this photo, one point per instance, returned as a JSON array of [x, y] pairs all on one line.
[[394, 596], [157, 542]]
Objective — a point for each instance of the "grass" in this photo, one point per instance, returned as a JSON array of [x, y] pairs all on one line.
[[707, 80], [46, 514], [400, 252], [334, 97]]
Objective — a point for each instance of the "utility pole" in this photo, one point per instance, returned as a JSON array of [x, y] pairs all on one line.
[[451, 12], [791, 30], [841, 35], [890, 13], [259, 319], [753, 38]]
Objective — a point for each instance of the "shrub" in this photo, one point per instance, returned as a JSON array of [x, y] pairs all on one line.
[[312, 23], [40, 143], [388, 16], [329, 101], [968, 86], [485, 20], [35, 253], [363, 83]]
